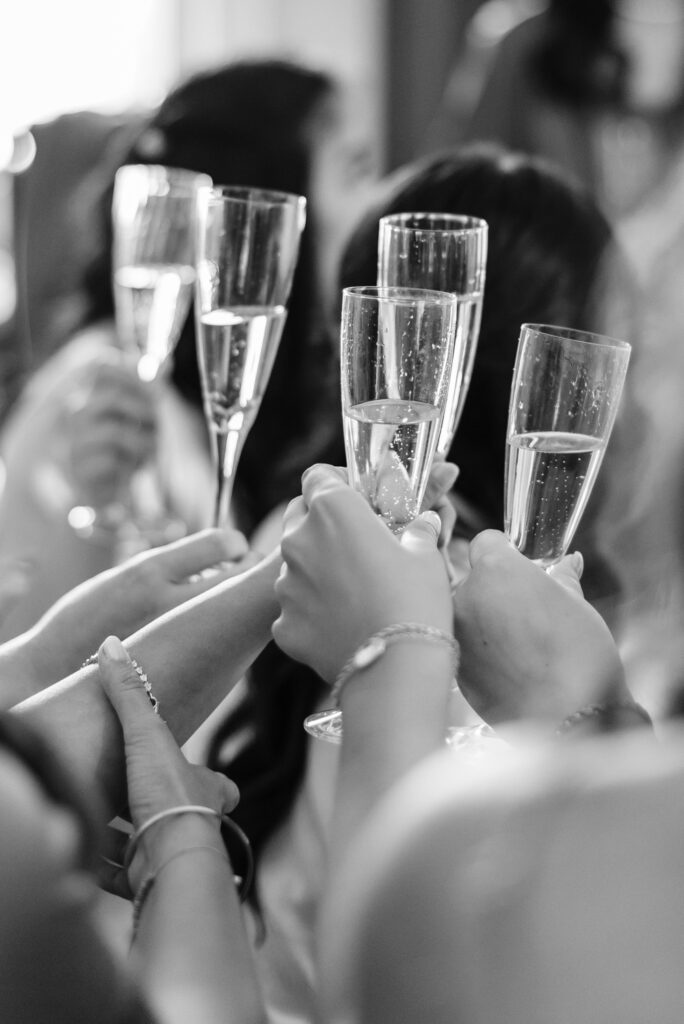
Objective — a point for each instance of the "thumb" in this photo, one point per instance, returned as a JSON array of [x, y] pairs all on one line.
[[321, 478], [568, 572], [422, 534], [123, 685]]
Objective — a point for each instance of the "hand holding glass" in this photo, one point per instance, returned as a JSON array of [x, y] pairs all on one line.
[[248, 243], [564, 398], [396, 350], [447, 252], [153, 224]]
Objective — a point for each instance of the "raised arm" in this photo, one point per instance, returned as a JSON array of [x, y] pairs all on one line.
[[120, 600], [192, 656], [345, 578]]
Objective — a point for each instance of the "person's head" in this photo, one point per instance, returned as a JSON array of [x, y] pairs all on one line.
[[547, 245]]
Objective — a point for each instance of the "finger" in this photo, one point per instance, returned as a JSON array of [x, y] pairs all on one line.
[[294, 514], [322, 479], [443, 476], [191, 555], [568, 572], [199, 583], [111, 874], [489, 542], [113, 879], [229, 793], [422, 534], [109, 444], [123, 687], [447, 514], [121, 406]]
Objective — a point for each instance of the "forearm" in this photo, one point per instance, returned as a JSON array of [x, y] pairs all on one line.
[[52, 649], [395, 714], [193, 655], [192, 952]]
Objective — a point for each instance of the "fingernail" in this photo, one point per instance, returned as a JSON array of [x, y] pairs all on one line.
[[446, 472], [433, 520], [115, 650], [577, 561]]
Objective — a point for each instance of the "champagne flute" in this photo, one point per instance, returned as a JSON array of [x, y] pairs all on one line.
[[248, 244], [153, 222], [396, 350], [564, 398], [447, 252], [153, 217]]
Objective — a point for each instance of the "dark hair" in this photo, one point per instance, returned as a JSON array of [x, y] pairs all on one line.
[[577, 60], [249, 123], [547, 240]]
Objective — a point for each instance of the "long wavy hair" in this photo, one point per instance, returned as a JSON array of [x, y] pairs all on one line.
[[547, 245]]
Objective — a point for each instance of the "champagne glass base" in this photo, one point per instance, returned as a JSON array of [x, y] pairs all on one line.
[[473, 742], [325, 725]]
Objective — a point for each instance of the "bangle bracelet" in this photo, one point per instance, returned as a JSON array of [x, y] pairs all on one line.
[[170, 812], [243, 863], [93, 660], [149, 880], [376, 645], [605, 715]]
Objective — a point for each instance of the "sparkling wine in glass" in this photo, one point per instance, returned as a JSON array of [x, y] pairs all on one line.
[[153, 272], [396, 351], [447, 252], [248, 244], [153, 217], [564, 398]]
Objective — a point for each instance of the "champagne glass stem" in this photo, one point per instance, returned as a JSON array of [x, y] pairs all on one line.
[[228, 446]]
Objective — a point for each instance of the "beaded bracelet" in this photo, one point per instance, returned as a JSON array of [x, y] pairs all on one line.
[[376, 645], [605, 715], [92, 660]]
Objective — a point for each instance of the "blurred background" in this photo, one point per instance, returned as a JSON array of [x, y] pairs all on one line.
[[74, 74]]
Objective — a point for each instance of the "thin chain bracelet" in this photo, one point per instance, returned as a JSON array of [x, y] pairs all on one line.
[[147, 686], [376, 645]]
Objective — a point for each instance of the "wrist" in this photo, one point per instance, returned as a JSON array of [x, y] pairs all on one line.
[[377, 646], [167, 838]]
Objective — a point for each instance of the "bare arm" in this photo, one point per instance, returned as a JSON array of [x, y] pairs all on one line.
[[193, 656], [120, 600]]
